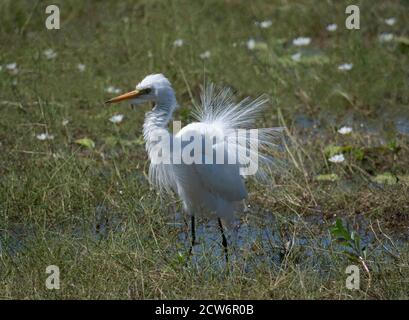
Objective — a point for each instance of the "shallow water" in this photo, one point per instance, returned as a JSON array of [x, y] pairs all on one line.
[[13, 240], [387, 120], [402, 125], [263, 238], [252, 244]]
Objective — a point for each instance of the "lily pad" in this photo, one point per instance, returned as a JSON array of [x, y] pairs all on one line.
[[86, 142], [385, 178], [314, 57], [113, 141], [260, 45], [134, 142], [402, 40], [358, 153], [327, 177], [333, 150]]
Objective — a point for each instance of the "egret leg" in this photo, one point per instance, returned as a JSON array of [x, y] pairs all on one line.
[[193, 230], [224, 240]]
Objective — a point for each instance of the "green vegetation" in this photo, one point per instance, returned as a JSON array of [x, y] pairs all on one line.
[[81, 200]]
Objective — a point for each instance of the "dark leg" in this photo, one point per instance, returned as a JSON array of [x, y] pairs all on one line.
[[193, 234], [224, 240]]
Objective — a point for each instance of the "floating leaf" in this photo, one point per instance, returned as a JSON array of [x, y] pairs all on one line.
[[314, 56], [260, 45], [129, 143], [358, 153], [86, 142], [385, 178], [402, 40], [305, 57], [333, 150], [327, 177], [113, 141]]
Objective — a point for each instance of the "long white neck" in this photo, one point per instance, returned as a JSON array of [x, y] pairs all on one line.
[[156, 121]]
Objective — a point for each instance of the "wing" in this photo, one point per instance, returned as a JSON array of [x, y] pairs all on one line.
[[223, 180], [234, 121], [162, 176], [210, 166], [222, 118]]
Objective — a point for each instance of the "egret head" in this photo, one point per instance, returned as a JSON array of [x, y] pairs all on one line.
[[153, 88]]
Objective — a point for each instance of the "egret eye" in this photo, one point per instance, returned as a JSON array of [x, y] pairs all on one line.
[[145, 91]]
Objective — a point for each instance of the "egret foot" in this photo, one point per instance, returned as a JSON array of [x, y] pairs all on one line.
[[193, 230], [224, 240]]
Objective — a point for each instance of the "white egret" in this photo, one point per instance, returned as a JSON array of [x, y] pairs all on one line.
[[206, 185]]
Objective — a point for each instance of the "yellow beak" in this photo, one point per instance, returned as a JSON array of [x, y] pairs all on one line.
[[125, 96]]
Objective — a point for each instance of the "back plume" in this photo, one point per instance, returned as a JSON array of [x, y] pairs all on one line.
[[219, 108]]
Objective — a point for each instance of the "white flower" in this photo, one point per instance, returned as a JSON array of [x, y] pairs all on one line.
[[45, 136], [302, 41], [65, 122], [265, 24], [390, 21], [345, 130], [332, 27], [337, 158], [345, 66], [50, 54], [1, 68], [385, 37], [296, 56], [117, 118], [251, 44], [112, 89], [178, 43], [11, 66], [81, 67], [205, 55]]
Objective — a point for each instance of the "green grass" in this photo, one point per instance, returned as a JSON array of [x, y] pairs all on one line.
[[91, 211]]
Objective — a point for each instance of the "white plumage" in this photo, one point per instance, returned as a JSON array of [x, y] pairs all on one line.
[[213, 189]]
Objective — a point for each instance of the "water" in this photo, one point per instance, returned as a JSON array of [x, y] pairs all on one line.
[[13, 239], [396, 120], [260, 237], [402, 125], [16, 236], [254, 243]]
